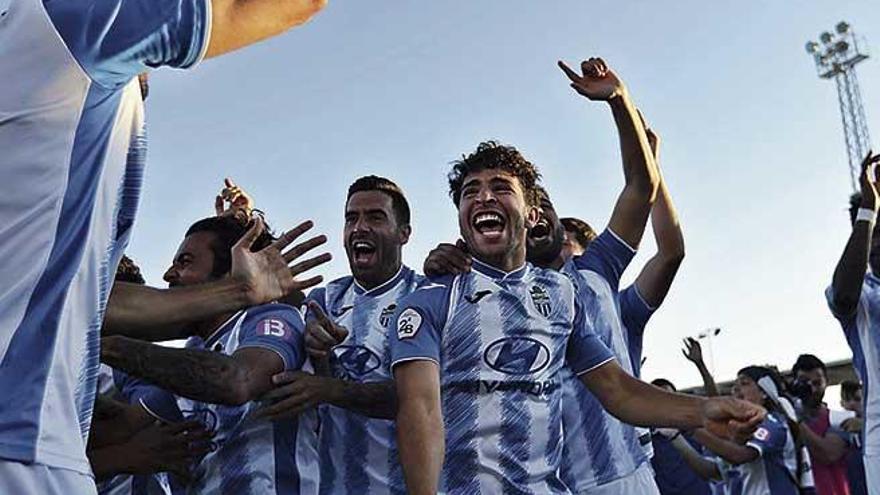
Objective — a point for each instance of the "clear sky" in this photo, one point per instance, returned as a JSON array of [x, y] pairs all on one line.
[[752, 145]]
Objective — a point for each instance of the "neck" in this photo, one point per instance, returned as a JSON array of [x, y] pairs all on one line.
[[372, 281], [206, 328], [506, 262]]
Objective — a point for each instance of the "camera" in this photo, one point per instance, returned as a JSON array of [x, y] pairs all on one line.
[[801, 389]]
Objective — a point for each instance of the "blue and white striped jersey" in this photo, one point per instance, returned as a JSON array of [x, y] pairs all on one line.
[[502, 341], [72, 140], [862, 330], [599, 448], [776, 470], [252, 456], [359, 454]]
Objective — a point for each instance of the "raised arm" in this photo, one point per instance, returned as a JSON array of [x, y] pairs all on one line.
[[656, 277], [630, 215], [238, 23], [638, 403], [420, 432], [200, 375], [850, 271], [693, 352], [153, 314]]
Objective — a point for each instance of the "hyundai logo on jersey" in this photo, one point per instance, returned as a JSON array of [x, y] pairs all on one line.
[[517, 356], [354, 361]]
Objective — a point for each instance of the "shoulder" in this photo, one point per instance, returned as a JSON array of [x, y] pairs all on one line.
[[282, 311]]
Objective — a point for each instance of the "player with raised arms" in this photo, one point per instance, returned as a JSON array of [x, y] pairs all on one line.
[[72, 135]]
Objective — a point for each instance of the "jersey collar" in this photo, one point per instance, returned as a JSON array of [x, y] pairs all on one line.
[[216, 334], [497, 274], [383, 287]]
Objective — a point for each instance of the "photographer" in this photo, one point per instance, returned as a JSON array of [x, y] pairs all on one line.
[[827, 445]]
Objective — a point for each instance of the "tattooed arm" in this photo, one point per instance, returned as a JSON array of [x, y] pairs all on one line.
[[196, 374], [297, 392]]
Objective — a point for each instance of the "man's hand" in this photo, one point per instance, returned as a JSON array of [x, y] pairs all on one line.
[[596, 81], [322, 333], [853, 425], [296, 392], [265, 274], [732, 419], [233, 201], [172, 448], [692, 351], [869, 183], [448, 259]]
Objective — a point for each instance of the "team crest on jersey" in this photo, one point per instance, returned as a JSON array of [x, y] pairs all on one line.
[[541, 300], [387, 313], [408, 324]]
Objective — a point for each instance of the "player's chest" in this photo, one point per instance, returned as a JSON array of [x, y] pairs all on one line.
[[363, 355]]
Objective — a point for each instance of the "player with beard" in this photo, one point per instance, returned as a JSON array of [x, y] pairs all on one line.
[[491, 345], [226, 366], [854, 297], [601, 454], [358, 453]]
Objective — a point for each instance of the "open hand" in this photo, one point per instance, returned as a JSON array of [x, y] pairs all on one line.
[[265, 274], [162, 447], [732, 419], [596, 81], [692, 351]]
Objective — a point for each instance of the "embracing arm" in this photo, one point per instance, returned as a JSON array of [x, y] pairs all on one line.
[[420, 431], [731, 452], [297, 391], [850, 271], [373, 399], [238, 23], [196, 374]]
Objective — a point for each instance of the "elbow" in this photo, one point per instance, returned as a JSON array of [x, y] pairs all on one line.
[[673, 257], [237, 390], [299, 12]]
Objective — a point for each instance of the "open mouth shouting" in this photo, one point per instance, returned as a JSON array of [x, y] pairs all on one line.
[[540, 232], [362, 251], [489, 224]]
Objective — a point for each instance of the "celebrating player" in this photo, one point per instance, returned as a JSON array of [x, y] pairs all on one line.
[[854, 297], [71, 131], [225, 367], [350, 321], [497, 338]]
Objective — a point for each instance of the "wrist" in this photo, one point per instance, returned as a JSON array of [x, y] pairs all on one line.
[[620, 99], [866, 214]]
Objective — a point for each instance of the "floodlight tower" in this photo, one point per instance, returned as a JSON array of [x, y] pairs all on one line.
[[836, 58]]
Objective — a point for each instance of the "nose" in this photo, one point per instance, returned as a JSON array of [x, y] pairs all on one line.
[[485, 195], [170, 275]]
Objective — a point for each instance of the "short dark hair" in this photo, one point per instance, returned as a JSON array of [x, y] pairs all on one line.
[[808, 362], [583, 233], [381, 184], [128, 271], [848, 389], [663, 382], [227, 232], [490, 155]]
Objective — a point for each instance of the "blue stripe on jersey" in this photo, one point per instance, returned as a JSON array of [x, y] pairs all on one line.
[[286, 473], [32, 346], [461, 357], [515, 443], [234, 456], [355, 443]]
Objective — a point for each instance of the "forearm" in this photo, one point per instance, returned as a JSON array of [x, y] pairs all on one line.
[[373, 399], [704, 468], [666, 226], [151, 314], [196, 374], [114, 422], [639, 169], [731, 452], [825, 450], [642, 404], [850, 271], [110, 460], [709, 384], [421, 442]]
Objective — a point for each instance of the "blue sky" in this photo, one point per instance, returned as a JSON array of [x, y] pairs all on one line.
[[752, 146]]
